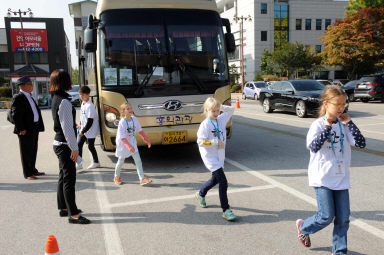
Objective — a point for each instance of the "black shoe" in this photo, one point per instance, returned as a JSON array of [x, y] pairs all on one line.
[[64, 213], [80, 220]]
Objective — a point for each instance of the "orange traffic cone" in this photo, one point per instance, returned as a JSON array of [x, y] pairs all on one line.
[[51, 247], [237, 103]]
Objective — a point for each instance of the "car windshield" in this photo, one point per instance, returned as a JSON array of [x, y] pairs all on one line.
[[75, 88], [153, 48], [368, 79], [260, 85], [350, 84], [307, 85]]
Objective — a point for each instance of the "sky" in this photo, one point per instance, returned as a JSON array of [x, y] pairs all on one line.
[[45, 9]]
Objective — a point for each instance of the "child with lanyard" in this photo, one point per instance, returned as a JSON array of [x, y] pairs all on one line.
[[211, 138], [329, 140], [126, 144]]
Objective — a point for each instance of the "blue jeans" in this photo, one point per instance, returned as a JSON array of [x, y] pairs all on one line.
[[332, 204]]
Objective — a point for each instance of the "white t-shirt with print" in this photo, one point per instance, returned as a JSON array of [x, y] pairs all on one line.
[[126, 130], [88, 110], [212, 156], [323, 166]]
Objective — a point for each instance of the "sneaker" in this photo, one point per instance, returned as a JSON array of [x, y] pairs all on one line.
[[94, 165], [145, 181], [304, 239], [201, 200], [117, 180], [228, 215], [79, 166]]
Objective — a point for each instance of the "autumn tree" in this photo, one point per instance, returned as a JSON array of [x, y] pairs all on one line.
[[355, 5], [356, 43]]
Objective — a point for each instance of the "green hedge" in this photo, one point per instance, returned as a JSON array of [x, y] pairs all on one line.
[[5, 92], [5, 98], [236, 87]]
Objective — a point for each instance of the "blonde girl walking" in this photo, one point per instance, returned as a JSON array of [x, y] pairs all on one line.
[[126, 144]]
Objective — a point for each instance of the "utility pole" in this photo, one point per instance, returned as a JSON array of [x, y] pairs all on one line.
[[242, 18], [20, 12]]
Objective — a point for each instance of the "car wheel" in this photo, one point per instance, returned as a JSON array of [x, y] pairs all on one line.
[[351, 97], [364, 100], [301, 109], [244, 97], [255, 97], [267, 106]]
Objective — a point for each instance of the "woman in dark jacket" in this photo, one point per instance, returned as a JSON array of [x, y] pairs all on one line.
[[65, 145]]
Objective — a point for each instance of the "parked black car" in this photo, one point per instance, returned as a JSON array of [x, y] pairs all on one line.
[[349, 88], [370, 87], [299, 96]]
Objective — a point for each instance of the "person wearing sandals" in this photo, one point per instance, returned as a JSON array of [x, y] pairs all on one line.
[[211, 138], [126, 144], [65, 145], [329, 140]]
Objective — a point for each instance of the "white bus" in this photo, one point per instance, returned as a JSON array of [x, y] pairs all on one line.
[[164, 57]]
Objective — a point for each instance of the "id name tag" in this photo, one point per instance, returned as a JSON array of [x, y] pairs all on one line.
[[339, 168]]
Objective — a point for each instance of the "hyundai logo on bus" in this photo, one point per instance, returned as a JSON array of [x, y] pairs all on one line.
[[172, 105]]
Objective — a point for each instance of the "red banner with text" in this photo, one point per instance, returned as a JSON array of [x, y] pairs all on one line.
[[35, 40]]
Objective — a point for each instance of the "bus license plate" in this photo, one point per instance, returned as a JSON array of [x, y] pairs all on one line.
[[175, 137]]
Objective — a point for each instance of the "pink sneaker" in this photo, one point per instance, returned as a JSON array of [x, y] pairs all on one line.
[[304, 239]]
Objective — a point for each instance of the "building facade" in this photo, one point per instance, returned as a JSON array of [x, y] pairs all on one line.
[[80, 12], [46, 47], [273, 22]]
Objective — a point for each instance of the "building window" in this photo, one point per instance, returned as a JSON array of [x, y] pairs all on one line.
[[298, 24], [318, 48], [4, 61], [281, 28], [308, 24], [264, 36], [263, 8], [33, 57], [318, 24], [234, 55], [327, 23]]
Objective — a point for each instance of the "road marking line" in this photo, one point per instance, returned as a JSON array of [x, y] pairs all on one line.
[[173, 198], [276, 117], [370, 151], [111, 233], [359, 223], [6, 127]]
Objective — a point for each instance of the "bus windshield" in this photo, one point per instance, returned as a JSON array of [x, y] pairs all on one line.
[[176, 50]]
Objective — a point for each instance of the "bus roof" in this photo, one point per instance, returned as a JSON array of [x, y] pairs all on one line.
[[103, 5]]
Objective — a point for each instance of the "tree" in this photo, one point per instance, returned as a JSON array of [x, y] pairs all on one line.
[[356, 43], [355, 5], [75, 76], [288, 59], [233, 74]]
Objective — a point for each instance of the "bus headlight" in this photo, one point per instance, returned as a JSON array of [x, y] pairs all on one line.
[[111, 116]]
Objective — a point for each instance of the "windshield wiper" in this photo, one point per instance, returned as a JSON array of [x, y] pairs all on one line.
[[185, 69]]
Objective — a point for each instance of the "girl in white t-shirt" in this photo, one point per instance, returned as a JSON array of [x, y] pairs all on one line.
[[329, 140], [126, 144], [211, 138]]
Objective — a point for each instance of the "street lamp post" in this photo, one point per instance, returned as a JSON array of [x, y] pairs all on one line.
[[20, 12], [242, 18]]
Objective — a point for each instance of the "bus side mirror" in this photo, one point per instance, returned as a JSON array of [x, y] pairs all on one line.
[[229, 38], [230, 42], [90, 35]]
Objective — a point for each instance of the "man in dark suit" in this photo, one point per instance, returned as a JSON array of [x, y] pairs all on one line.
[[28, 123]]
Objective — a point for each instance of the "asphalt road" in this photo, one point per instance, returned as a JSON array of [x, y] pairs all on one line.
[[266, 167]]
